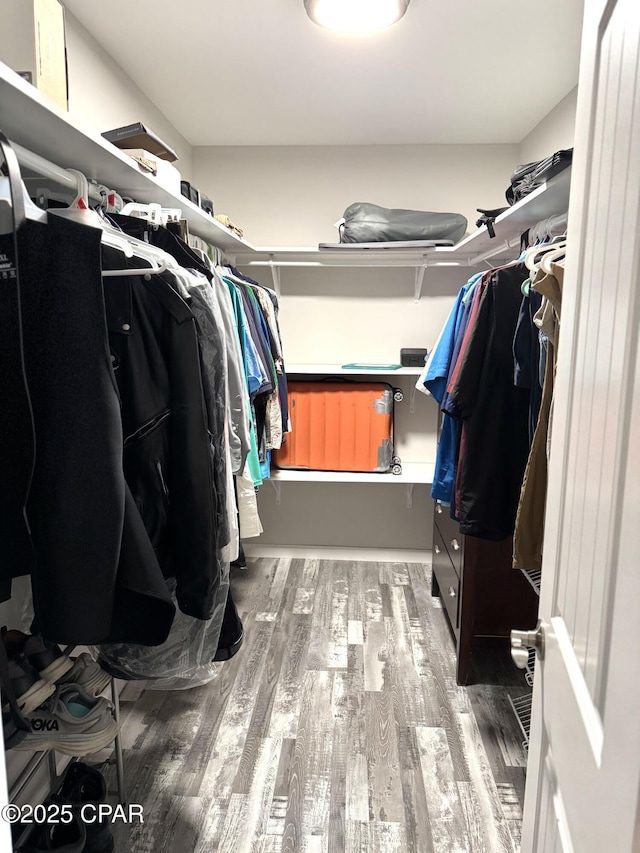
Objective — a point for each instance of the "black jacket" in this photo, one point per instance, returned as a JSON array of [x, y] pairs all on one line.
[[167, 447], [66, 516]]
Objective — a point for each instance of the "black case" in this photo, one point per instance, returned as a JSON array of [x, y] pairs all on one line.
[[413, 357]]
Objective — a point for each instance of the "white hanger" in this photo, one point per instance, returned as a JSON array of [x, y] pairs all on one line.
[[542, 249], [31, 210], [551, 257]]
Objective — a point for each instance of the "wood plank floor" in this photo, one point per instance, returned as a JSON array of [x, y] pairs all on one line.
[[338, 728]]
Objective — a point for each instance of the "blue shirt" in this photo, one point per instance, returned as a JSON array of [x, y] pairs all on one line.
[[435, 381]]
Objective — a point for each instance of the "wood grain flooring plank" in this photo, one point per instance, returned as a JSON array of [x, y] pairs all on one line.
[[337, 651], [394, 574], [318, 653], [355, 633], [492, 817], [472, 815], [225, 759], [310, 770], [303, 604], [385, 790], [372, 594], [265, 698], [248, 813], [385, 597], [339, 780], [209, 839], [310, 573], [356, 608], [386, 837], [400, 674], [498, 727], [448, 824], [416, 810], [286, 703], [375, 655], [512, 807]]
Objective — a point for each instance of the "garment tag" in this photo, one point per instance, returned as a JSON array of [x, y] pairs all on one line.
[[7, 265]]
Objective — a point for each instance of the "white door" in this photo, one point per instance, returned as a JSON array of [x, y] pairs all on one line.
[[583, 780]]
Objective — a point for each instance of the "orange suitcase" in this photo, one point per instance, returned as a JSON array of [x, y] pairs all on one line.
[[340, 426]]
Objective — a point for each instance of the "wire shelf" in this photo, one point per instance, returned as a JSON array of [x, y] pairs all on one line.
[[534, 577], [522, 709], [530, 667]]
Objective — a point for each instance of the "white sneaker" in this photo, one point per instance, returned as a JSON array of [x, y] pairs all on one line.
[[71, 722], [86, 673]]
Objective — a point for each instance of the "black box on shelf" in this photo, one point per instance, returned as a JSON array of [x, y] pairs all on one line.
[[139, 136], [206, 204], [190, 192], [413, 357]]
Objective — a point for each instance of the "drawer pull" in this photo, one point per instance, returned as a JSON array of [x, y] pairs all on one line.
[[452, 592], [455, 544], [438, 509], [436, 549]]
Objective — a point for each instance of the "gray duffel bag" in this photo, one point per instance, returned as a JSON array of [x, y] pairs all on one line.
[[370, 223]]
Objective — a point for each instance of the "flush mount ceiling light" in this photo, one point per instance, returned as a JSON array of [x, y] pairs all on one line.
[[355, 16]]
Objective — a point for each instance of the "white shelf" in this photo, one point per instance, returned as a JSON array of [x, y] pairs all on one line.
[[29, 119], [413, 473], [550, 199], [337, 370]]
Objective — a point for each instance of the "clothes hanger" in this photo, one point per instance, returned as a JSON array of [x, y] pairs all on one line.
[[32, 211], [551, 257], [538, 250]]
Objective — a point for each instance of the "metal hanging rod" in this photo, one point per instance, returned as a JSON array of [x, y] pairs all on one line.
[[50, 170]]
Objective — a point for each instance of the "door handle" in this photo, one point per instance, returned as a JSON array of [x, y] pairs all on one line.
[[523, 640]]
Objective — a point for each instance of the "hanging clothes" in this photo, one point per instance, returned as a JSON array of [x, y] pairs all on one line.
[[95, 576], [529, 527], [494, 412]]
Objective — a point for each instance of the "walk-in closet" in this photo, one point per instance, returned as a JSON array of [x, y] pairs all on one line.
[[319, 439]]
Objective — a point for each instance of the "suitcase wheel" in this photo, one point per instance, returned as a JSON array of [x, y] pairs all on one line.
[[398, 395], [395, 460], [396, 469]]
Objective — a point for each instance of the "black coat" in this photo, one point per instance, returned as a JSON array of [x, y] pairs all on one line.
[[167, 446], [66, 515]]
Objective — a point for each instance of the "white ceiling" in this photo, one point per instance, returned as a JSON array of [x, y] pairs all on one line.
[[258, 72]]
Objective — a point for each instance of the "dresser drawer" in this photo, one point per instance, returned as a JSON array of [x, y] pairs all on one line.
[[450, 532], [447, 579]]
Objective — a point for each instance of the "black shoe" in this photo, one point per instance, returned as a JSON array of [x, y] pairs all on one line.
[[241, 561], [84, 785], [227, 652], [231, 632], [63, 837]]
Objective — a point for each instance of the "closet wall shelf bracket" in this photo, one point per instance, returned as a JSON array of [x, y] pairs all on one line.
[[420, 271], [275, 273], [277, 488]]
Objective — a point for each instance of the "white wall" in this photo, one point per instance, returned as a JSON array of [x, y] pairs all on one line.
[[102, 96], [555, 131], [292, 195]]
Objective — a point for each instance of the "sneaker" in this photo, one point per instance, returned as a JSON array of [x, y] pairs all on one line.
[[63, 837], [87, 674], [53, 665], [81, 785], [30, 690], [71, 722], [47, 659]]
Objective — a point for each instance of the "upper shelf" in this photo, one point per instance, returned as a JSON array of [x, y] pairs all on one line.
[[30, 119], [549, 199]]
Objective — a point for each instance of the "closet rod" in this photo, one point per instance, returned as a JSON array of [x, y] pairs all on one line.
[[49, 170]]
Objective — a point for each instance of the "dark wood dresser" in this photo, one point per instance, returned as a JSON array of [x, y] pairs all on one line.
[[483, 596]]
